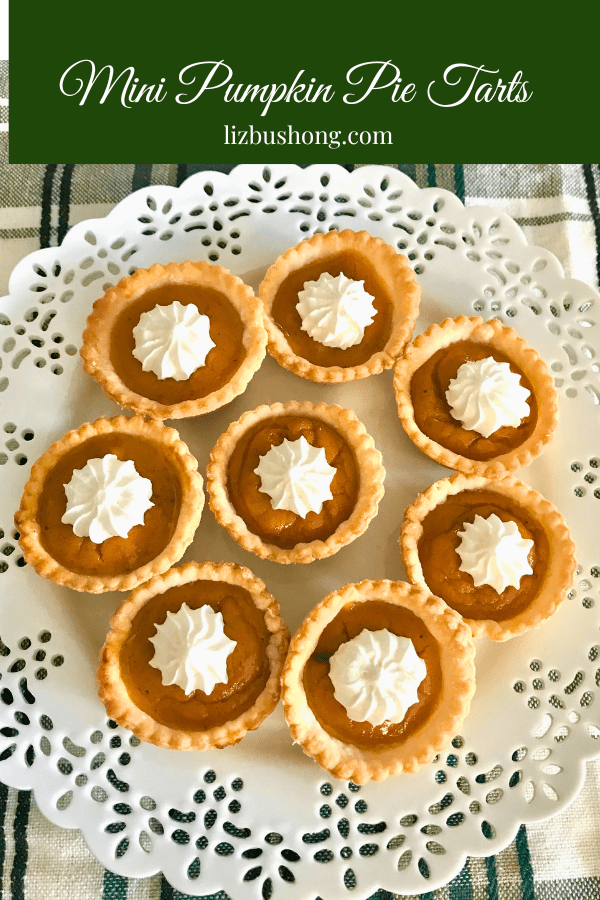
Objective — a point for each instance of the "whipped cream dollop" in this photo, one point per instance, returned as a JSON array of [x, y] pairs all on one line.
[[106, 498], [376, 676], [296, 476], [335, 310], [191, 649], [172, 341], [486, 394], [494, 552]]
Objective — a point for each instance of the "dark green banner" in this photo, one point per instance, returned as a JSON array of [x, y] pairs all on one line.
[[111, 83]]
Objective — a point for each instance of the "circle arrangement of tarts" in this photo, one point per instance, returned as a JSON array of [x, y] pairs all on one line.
[[438, 613]]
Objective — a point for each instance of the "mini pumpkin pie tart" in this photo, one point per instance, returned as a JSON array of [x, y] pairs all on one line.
[[339, 306], [495, 550], [194, 657], [474, 396], [176, 340], [294, 482], [378, 679], [110, 504]]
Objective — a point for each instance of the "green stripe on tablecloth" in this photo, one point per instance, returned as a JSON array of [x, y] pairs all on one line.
[[460, 887], [431, 175], [592, 197], [64, 201], [492, 874], [182, 173], [142, 174], [114, 887], [550, 220], [459, 181], [46, 215], [19, 867], [169, 893], [525, 864], [9, 233], [409, 169]]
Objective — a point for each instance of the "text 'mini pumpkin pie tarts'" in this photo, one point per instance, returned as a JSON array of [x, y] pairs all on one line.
[[294, 482], [378, 679], [194, 657], [495, 550], [176, 340], [339, 306], [474, 396], [110, 504]]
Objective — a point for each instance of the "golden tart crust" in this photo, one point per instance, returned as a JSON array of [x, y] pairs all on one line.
[[360, 448], [112, 686], [451, 693], [237, 329], [388, 274], [520, 446], [51, 547], [553, 558]]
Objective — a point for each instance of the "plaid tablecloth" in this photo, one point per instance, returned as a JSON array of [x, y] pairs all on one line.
[[557, 207]]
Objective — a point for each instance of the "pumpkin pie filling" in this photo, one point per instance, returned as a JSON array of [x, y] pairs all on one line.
[[247, 666], [287, 318], [440, 561], [116, 555], [432, 413], [222, 361], [346, 625], [283, 528]]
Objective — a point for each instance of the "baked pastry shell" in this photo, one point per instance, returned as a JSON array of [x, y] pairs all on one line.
[[97, 336], [369, 465], [392, 267], [457, 661], [561, 560], [113, 692], [503, 339], [192, 503]]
